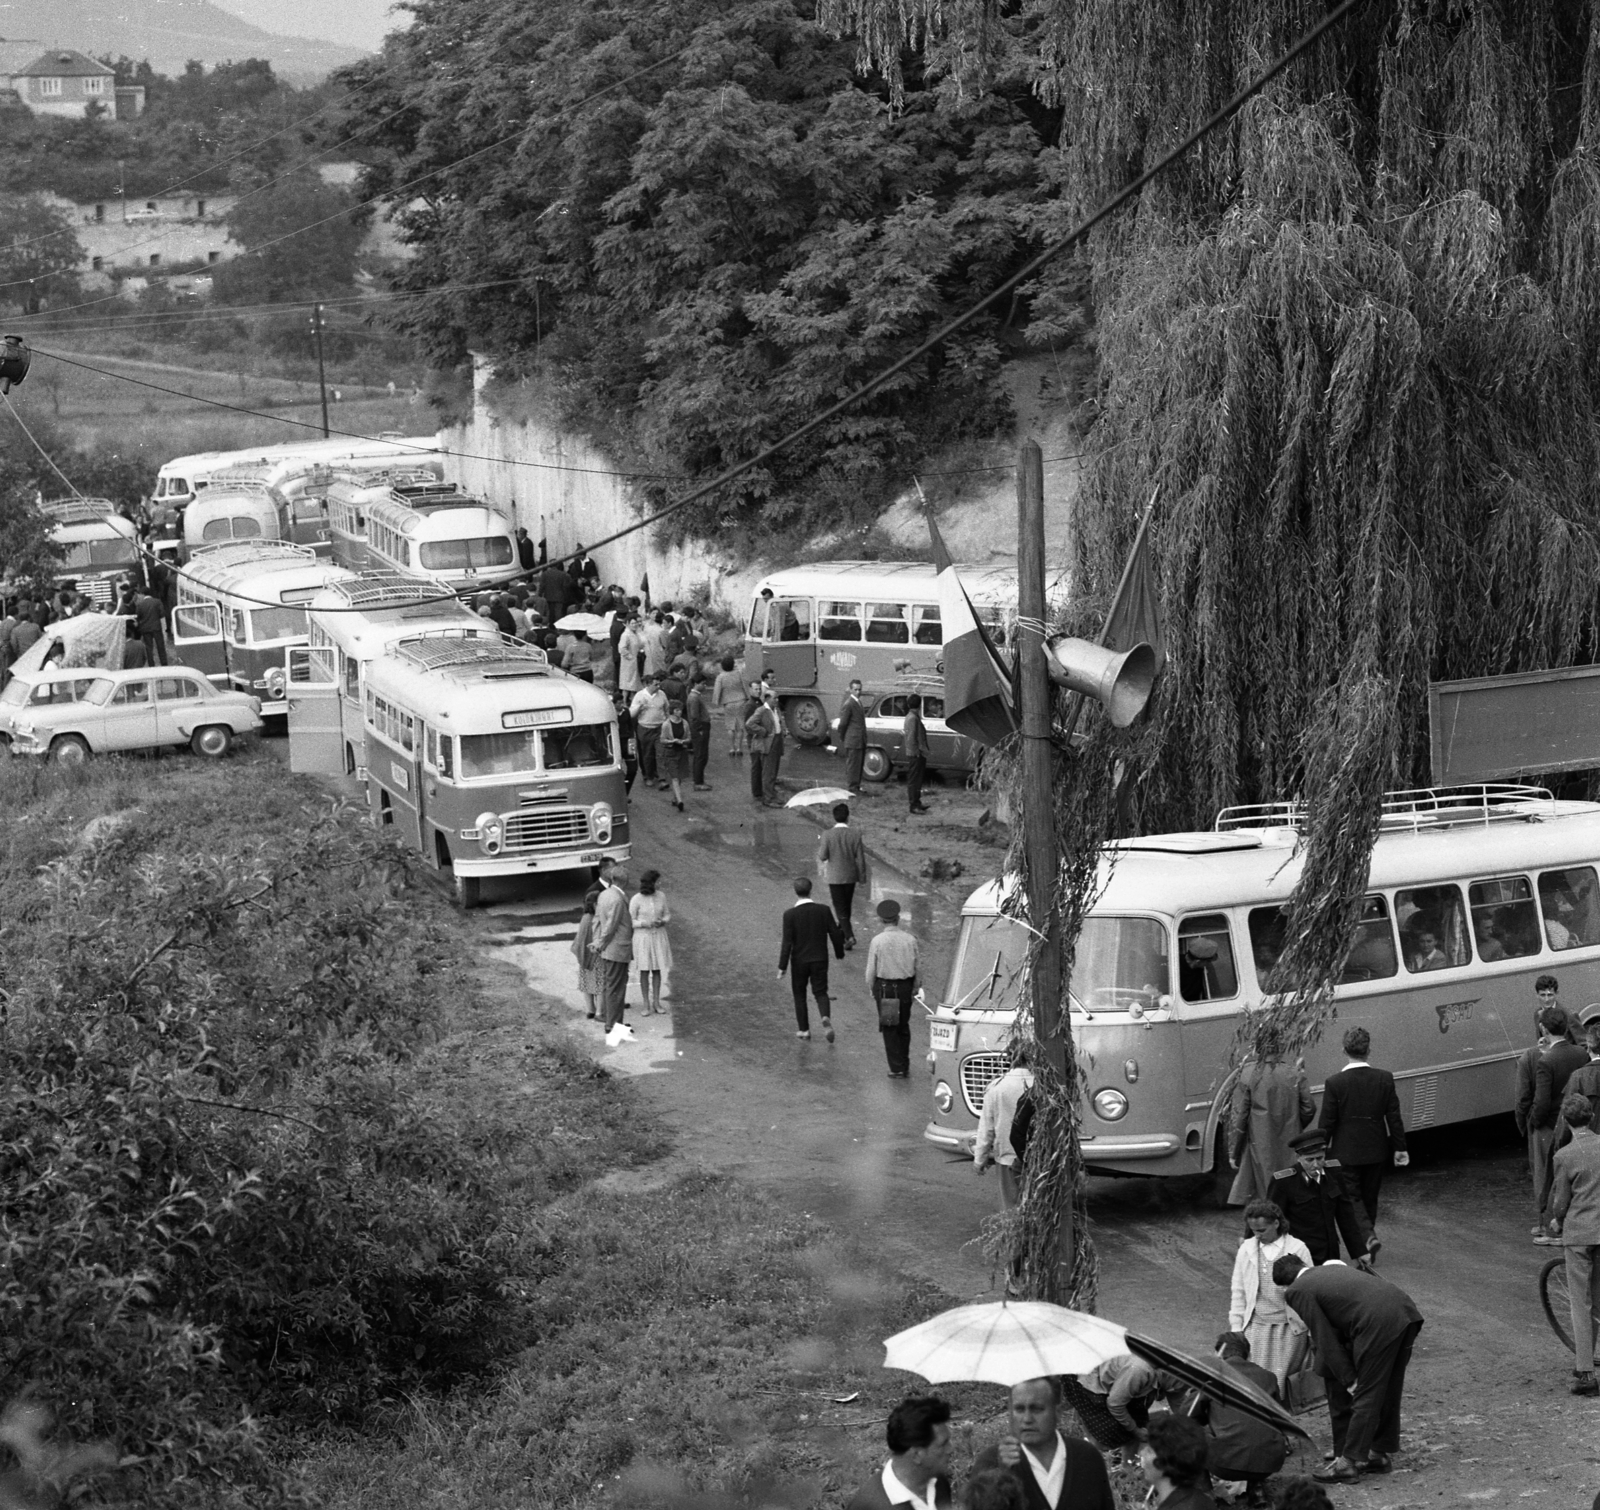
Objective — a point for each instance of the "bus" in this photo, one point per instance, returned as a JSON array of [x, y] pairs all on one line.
[[485, 760], [352, 621], [346, 497], [234, 510], [99, 546], [1473, 893], [815, 629], [182, 479], [446, 536], [240, 606]]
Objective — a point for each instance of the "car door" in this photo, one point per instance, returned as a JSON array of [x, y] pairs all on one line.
[[130, 716], [315, 716], [886, 726], [197, 641], [179, 703]]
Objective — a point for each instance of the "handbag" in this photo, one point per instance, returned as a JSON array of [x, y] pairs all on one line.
[[888, 1006], [1304, 1388]]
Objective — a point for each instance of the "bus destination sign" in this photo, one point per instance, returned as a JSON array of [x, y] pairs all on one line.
[[534, 718]]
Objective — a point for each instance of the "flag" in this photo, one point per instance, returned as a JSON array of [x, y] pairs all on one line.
[[1135, 616], [977, 686]]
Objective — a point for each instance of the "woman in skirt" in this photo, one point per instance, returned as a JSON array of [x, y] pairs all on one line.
[[588, 978], [652, 952], [1257, 1308], [673, 750]]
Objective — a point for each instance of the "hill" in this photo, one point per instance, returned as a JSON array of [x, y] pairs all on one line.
[[169, 33]]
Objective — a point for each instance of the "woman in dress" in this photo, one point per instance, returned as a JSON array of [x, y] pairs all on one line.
[[652, 952], [675, 745], [588, 979], [1258, 1309]]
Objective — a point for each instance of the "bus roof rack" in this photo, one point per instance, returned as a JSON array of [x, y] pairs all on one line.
[[78, 510], [510, 657], [1415, 808], [241, 552], [388, 589]]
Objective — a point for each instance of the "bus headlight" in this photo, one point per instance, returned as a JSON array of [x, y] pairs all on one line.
[[600, 822], [1111, 1105], [491, 833], [275, 682], [943, 1097]]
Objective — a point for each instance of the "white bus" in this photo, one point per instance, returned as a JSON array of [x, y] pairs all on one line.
[[1473, 894], [234, 510], [815, 629], [352, 622], [98, 546], [181, 480], [447, 537], [346, 497], [240, 607]]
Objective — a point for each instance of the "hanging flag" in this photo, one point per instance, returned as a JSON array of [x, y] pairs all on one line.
[[1135, 616], [977, 685]]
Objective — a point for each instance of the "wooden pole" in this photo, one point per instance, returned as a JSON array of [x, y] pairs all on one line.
[[1052, 1028]]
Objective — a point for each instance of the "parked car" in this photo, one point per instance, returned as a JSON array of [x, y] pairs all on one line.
[[133, 710], [947, 750], [27, 691]]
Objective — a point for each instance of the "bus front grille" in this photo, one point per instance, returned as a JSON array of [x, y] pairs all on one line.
[[978, 1073], [547, 830]]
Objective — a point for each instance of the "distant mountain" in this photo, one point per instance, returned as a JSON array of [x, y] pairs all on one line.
[[168, 33], [356, 23]]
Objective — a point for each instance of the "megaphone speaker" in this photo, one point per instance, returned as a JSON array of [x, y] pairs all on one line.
[[1119, 680]]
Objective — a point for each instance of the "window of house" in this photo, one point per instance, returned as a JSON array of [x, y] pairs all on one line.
[[99, 212], [49, 87], [150, 204], [97, 263], [155, 259], [213, 256], [94, 86], [200, 210]]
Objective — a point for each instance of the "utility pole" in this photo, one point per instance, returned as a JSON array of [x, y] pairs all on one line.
[[322, 373], [1052, 1028], [122, 189]]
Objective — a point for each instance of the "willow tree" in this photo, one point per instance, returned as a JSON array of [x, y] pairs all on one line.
[[1351, 343]]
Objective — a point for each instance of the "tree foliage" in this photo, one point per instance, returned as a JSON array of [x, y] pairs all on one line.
[[301, 237], [38, 252]]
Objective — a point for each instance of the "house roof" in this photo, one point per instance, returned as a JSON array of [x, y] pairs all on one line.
[[64, 63]]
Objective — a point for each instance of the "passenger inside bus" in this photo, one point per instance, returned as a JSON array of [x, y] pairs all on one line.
[[839, 621], [1205, 960], [1433, 928], [1568, 900], [584, 745], [886, 624]]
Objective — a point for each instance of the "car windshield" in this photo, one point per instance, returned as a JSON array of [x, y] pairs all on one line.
[[458, 555], [1119, 962], [283, 623], [988, 970], [513, 752]]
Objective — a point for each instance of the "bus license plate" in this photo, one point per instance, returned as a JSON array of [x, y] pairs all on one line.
[[942, 1037], [589, 859]]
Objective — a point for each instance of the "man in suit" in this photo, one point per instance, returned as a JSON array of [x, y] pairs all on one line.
[[1319, 1206], [1361, 1116], [842, 861], [558, 590], [1238, 1446], [852, 737], [1551, 1072], [808, 929], [1363, 1329], [918, 1470], [525, 551], [1054, 1472], [611, 939], [914, 734]]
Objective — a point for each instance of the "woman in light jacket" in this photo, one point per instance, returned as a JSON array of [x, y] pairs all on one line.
[[1258, 1309]]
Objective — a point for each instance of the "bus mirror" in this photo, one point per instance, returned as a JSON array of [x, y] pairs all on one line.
[[1119, 682]]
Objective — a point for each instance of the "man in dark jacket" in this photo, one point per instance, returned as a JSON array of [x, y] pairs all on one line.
[[1238, 1446], [808, 928], [558, 590], [525, 551], [1055, 1472], [918, 1434], [1550, 1075], [852, 737], [1363, 1329], [1361, 1116], [1318, 1204], [149, 623]]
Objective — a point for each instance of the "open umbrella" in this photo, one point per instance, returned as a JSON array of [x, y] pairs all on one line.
[[819, 796], [1211, 1376], [589, 623]]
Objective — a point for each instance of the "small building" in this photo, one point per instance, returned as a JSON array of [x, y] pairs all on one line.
[[130, 101], [66, 82]]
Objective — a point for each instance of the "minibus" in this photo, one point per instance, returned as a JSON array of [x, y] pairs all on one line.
[[485, 760], [346, 497], [181, 480], [234, 510], [1473, 894], [240, 606], [352, 621], [99, 546], [815, 629], [447, 537]]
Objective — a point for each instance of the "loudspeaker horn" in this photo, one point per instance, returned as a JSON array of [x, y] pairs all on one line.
[[1119, 680]]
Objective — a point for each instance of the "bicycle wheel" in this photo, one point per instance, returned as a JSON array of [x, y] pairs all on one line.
[[1553, 1297]]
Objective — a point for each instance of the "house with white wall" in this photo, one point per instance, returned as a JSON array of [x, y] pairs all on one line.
[[66, 82]]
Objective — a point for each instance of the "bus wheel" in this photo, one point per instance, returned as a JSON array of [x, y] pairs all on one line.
[[69, 749], [467, 892], [1221, 1174], [213, 741], [806, 720], [875, 765]]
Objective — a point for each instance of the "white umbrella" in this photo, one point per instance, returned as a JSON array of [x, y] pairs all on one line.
[[819, 796], [1005, 1342], [589, 623]]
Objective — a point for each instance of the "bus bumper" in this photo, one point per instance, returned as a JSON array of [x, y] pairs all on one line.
[[955, 1139], [521, 865]]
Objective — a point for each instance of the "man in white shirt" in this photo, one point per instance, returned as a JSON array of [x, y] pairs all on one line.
[[1054, 1472], [649, 710], [993, 1142], [917, 1474], [891, 976]]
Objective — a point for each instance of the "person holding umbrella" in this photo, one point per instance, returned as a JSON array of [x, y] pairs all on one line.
[[1053, 1471]]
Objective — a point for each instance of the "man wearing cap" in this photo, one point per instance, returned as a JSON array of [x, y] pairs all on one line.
[[1361, 1116], [1318, 1205], [892, 978]]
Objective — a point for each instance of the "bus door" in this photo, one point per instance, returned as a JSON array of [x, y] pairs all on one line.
[[197, 641], [400, 775], [316, 721], [1209, 1002], [788, 651]]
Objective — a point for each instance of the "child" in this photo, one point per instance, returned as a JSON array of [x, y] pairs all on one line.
[[588, 983]]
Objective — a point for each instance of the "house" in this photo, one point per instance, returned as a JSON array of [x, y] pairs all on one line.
[[65, 82]]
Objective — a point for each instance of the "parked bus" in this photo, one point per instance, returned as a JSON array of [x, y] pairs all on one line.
[[234, 510], [183, 478], [447, 537], [815, 629], [486, 760], [346, 497], [99, 546], [1473, 894], [240, 606], [353, 621]]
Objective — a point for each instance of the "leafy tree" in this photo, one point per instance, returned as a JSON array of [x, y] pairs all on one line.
[[38, 249], [28, 555], [301, 236]]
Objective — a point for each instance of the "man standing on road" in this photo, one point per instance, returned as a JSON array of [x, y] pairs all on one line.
[[1319, 1207], [1054, 1472], [728, 695], [149, 624], [993, 1144], [699, 712], [1361, 1116], [1575, 1207], [611, 938], [808, 929], [1554, 1068], [892, 979], [1363, 1329], [915, 735], [558, 590], [842, 862], [765, 727], [918, 1471], [852, 737], [649, 710], [525, 552]]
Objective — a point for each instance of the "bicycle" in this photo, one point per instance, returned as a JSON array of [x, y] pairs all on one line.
[[1553, 1297]]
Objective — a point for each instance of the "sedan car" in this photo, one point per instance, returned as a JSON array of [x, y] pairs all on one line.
[[41, 689], [134, 710], [947, 750]]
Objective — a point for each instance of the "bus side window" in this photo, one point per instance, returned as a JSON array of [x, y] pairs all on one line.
[[236, 625], [430, 748], [1504, 919], [1269, 927], [1433, 928], [789, 619], [927, 629], [1372, 954], [1568, 900], [447, 745], [1205, 959], [887, 624], [408, 733], [352, 675], [839, 621], [758, 619]]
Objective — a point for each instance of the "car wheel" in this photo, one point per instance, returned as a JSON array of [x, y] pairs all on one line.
[[213, 741], [875, 765], [69, 749], [806, 721], [466, 892]]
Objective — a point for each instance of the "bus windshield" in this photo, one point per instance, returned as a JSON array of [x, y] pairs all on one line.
[[459, 555], [580, 745], [988, 969], [1119, 962], [117, 551], [283, 623], [512, 752]]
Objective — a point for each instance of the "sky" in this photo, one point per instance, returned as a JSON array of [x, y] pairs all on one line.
[[356, 23]]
